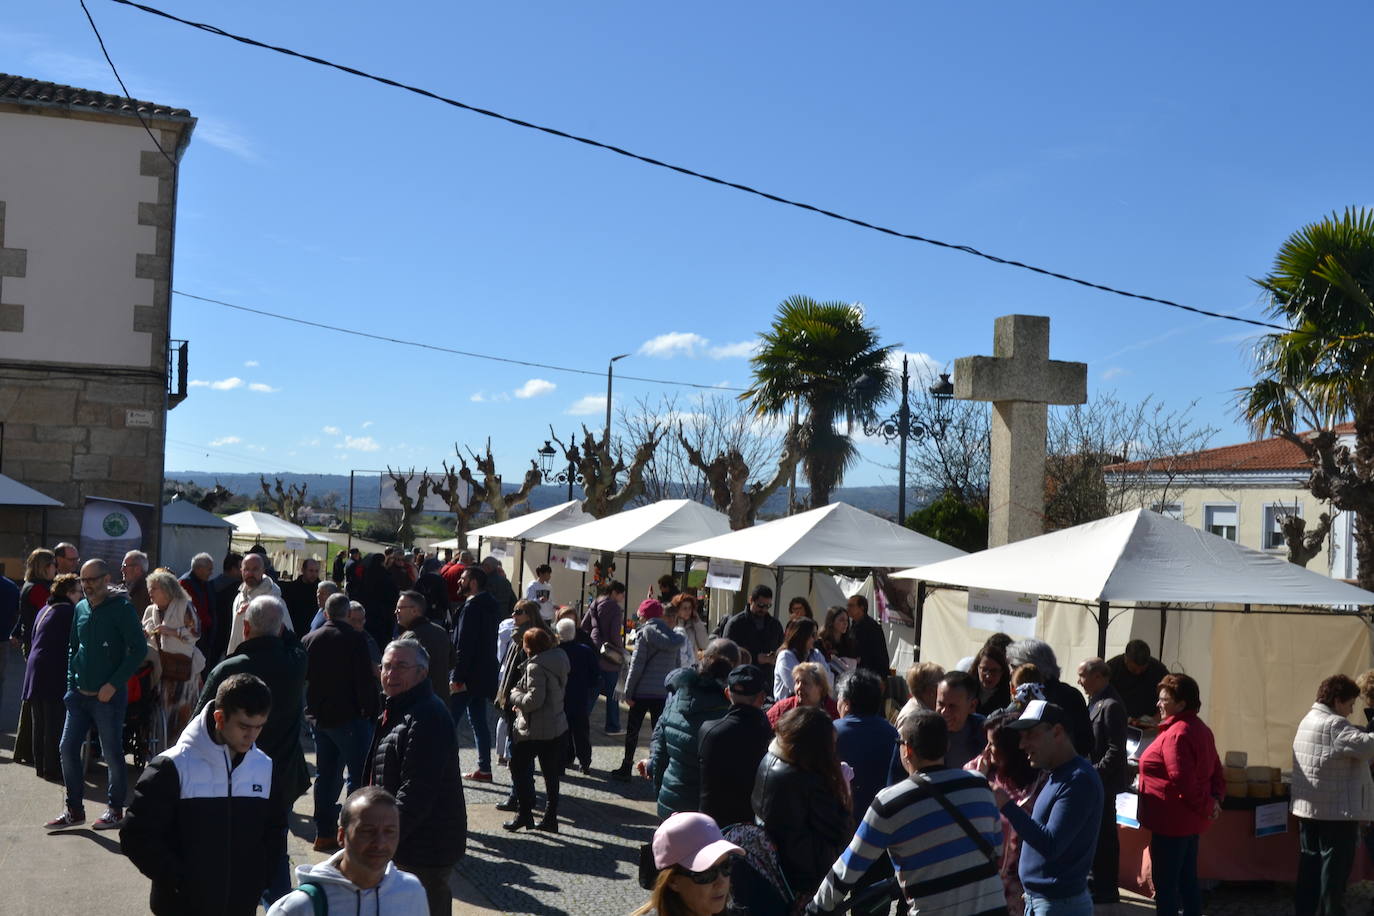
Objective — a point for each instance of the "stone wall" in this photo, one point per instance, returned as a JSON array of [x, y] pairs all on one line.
[[66, 436]]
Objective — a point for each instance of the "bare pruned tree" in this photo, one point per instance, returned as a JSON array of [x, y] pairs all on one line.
[[952, 456], [284, 501], [600, 464], [410, 508], [728, 476], [458, 490], [214, 498], [492, 490], [1108, 456]]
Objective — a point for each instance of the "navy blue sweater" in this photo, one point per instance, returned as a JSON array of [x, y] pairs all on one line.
[[1058, 842]]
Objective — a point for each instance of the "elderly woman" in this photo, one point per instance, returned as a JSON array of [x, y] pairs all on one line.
[[694, 861], [45, 675], [1332, 793], [810, 687], [525, 616], [1181, 787], [540, 726], [173, 628], [923, 683], [799, 645], [196, 582]]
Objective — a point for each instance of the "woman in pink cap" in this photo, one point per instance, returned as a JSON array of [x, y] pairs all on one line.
[[694, 862]]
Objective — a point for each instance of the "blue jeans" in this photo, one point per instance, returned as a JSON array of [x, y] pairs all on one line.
[[108, 719], [475, 708], [1077, 905], [335, 748], [1173, 864], [607, 690]]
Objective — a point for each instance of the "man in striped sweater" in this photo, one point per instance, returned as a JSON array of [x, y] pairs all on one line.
[[943, 867]]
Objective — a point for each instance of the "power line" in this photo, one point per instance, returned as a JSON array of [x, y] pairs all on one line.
[[127, 93], [692, 173], [438, 349]]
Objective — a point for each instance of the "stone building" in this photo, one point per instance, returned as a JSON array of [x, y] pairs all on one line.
[[87, 368]]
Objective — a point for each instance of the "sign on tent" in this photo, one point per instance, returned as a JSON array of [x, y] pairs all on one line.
[[726, 574], [1002, 612]]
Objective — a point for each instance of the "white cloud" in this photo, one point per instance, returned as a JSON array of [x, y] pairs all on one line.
[[477, 397], [224, 384], [262, 388], [674, 343], [744, 348], [925, 369], [366, 424], [223, 136], [587, 405], [1112, 373], [225, 440], [534, 388], [482, 397], [361, 443], [330, 430], [251, 364]]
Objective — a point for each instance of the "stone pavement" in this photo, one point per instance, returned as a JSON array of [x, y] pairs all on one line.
[[586, 870]]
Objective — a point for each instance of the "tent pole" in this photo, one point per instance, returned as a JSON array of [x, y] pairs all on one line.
[[1102, 621], [1163, 622], [920, 615], [628, 599], [520, 570]]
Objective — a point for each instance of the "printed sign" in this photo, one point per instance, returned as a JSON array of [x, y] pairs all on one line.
[[1271, 819], [726, 574], [558, 556], [496, 547], [294, 544], [579, 559], [1002, 612], [110, 528], [1126, 810], [138, 418]]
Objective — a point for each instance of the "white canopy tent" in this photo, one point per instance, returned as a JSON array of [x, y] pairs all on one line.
[[188, 530], [296, 543], [20, 497], [1251, 634], [524, 528]]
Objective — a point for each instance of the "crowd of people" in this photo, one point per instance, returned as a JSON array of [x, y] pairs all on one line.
[[781, 781]]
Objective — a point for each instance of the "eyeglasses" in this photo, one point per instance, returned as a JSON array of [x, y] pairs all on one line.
[[87, 580], [719, 870], [397, 666]]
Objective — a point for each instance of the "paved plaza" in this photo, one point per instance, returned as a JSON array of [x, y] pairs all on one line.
[[586, 870]]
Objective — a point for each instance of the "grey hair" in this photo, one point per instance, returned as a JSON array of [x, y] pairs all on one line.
[[138, 557], [202, 559], [328, 586], [166, 581], [336, 608], [356, 606], [1036, 652], [264, 615], [1096, 666], [421, 656]]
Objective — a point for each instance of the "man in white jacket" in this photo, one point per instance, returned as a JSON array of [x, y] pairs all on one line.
[[256, 583], [361, 877]]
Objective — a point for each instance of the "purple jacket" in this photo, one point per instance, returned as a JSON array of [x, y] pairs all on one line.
[[45, 674], [605, 620]]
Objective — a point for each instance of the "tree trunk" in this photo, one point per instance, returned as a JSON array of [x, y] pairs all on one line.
[[1364, 519]]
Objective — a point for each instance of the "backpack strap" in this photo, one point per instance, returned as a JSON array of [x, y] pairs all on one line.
[[978, 839], [318, 900]]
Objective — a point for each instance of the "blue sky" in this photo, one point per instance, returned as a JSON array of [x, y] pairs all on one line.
[[1166, 148]]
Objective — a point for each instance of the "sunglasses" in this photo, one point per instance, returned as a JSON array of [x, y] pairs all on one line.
[[720, 870]]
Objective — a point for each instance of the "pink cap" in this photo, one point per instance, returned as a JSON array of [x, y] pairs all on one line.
[[690, 840], [650, 608]]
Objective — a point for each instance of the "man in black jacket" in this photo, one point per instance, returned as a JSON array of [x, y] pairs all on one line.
[[204, 825], [472, 679], [342, 697], [412, 613], [1107, 713], [415, 757], [869, 640], [275, 656], [731, 747], [757, 630], [299, 595]]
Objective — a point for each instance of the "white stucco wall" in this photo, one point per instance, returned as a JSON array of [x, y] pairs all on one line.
[[71, 190]]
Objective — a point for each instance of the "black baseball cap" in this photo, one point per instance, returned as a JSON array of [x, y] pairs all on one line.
[[747, 679], [1040, 712]]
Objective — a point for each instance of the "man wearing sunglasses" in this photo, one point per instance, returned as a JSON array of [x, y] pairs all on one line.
[[107, 646], [756, 629]]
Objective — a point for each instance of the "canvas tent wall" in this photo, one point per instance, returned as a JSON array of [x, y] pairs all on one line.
[[287, 543], [188, 530], [1258, 664]]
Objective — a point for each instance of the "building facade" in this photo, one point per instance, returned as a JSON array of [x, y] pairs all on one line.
[[87, 368]]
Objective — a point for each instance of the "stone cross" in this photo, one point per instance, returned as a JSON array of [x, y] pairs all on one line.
[[1020, 380]]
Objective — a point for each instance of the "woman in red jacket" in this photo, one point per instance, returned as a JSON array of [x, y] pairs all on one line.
[[1181, 787]]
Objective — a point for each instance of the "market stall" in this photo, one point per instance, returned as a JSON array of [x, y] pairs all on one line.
[[287, 543], [188, 530], [508, 540]]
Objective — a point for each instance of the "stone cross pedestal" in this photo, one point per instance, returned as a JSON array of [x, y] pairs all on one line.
[[1020, 380]]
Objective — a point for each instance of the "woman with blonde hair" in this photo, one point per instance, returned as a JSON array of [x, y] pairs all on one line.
[[173, 627], [687, 621], [694, 862], [811, 687]]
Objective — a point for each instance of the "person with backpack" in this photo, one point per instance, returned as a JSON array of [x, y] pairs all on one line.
[[360, 878]]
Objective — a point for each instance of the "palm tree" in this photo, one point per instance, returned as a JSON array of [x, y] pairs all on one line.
[[1321, 371], [815, 355]]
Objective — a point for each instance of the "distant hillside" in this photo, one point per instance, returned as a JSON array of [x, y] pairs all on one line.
[[878, 500]]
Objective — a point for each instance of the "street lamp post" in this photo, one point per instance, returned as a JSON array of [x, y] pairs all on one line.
[[610, 368], [546, 471], [900, 427]]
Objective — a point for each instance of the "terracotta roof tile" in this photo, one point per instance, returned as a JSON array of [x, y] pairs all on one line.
[[1262, 455], [21, 90]]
